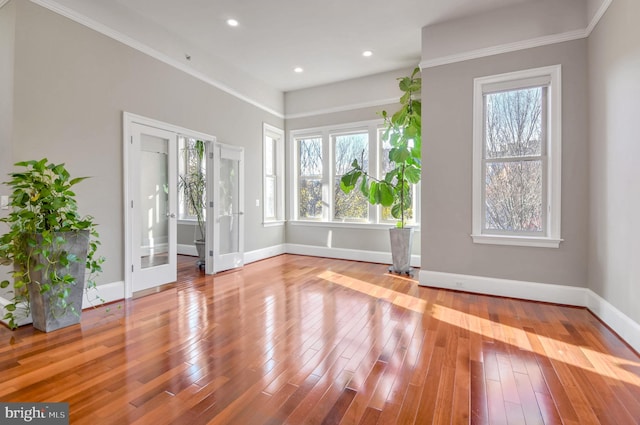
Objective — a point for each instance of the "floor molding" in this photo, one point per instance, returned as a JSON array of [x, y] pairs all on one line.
[[623, 325], [346, 254], [185, 249], [264, 253], [620, 323]]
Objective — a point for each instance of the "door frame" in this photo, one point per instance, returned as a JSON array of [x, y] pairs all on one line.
[[127, 120]]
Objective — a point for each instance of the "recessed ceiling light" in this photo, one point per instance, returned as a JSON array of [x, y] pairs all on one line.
[[298, 69], [232, 22], [367, 53]]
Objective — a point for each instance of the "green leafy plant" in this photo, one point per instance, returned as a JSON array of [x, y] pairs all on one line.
[[403, 133], [43, 210]]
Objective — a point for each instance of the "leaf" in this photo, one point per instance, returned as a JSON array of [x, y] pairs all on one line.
[[412, 174], [386, 194], [349, 180], [396, 210], [77, 180], [399, 117], [374, 193], [404, 83], [399, 155], [364, 187]]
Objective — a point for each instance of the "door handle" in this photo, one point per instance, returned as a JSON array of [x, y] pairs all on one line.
[[171, 215]]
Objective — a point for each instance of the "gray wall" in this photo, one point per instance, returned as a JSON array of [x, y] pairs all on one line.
[[614, 170], [447, 163], [7, 31], [71, 86]]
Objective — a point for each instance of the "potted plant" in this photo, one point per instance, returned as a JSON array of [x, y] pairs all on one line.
[[193, 186], [402, 131], [50, 246]]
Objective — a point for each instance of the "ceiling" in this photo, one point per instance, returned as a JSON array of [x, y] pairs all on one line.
[[325, 38]]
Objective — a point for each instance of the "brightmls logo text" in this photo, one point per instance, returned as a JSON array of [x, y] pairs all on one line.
[[34, 413]]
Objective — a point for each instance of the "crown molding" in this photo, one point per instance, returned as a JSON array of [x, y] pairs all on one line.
[[134, 44], [505, 48], [521, 45], [598, 15], [344, 108]]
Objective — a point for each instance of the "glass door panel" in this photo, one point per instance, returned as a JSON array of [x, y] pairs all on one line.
[[154, 198], [228, 201]]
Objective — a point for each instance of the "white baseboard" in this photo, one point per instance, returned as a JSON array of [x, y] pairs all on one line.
[[109, 292], [264, 253], [559, 294], [184, 249], [346, 254], [623, 325]]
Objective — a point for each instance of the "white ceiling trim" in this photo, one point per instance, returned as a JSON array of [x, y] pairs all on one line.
[[505, 48], [599, 14], [521, 45], [344, 108], [118, 36]]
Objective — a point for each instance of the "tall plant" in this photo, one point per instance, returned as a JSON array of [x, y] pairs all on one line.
[[43, 208], [402, 131]]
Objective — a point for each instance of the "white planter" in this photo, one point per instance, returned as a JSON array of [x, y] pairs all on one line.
[[401, 243]]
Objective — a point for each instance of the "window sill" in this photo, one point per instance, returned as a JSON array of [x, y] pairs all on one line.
[[517, 241], [274, 223], [350, 225]]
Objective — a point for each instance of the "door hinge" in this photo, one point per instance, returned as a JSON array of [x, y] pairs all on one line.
[[132, 268], [210, 155], [132, 140], [132, 203], [210, 253], [210, 204]]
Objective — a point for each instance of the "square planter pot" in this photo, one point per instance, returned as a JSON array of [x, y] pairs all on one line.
[[46, 311], [401, 242]]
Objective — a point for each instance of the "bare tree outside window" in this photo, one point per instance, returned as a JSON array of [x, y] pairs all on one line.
[[353, 205], [310, 178], [514, 155]]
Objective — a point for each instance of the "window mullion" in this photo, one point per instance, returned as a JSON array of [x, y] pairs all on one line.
[[328, 176]]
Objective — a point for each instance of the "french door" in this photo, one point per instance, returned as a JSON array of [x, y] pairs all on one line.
[[227, 186], [153, 206]]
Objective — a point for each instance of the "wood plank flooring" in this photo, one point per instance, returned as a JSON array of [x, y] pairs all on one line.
[[302, 340]]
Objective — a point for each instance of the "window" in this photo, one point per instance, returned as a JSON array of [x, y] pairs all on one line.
[[321, 157], [516, 165], [310, 177], [273, 190], [191, 169], [346, 147]]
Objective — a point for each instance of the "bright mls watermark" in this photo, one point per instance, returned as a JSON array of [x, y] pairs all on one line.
[[34, 413]]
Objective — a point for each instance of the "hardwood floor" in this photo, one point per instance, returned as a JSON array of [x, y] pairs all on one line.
[[301, 340]]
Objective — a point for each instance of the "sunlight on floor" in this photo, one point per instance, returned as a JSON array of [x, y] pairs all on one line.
[[397, 298], [591, 360]]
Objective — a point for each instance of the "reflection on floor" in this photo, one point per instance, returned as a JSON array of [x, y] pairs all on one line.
[[306, 340]]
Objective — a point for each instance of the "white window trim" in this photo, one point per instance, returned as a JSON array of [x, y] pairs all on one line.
[[277, 135], [552, 238]]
